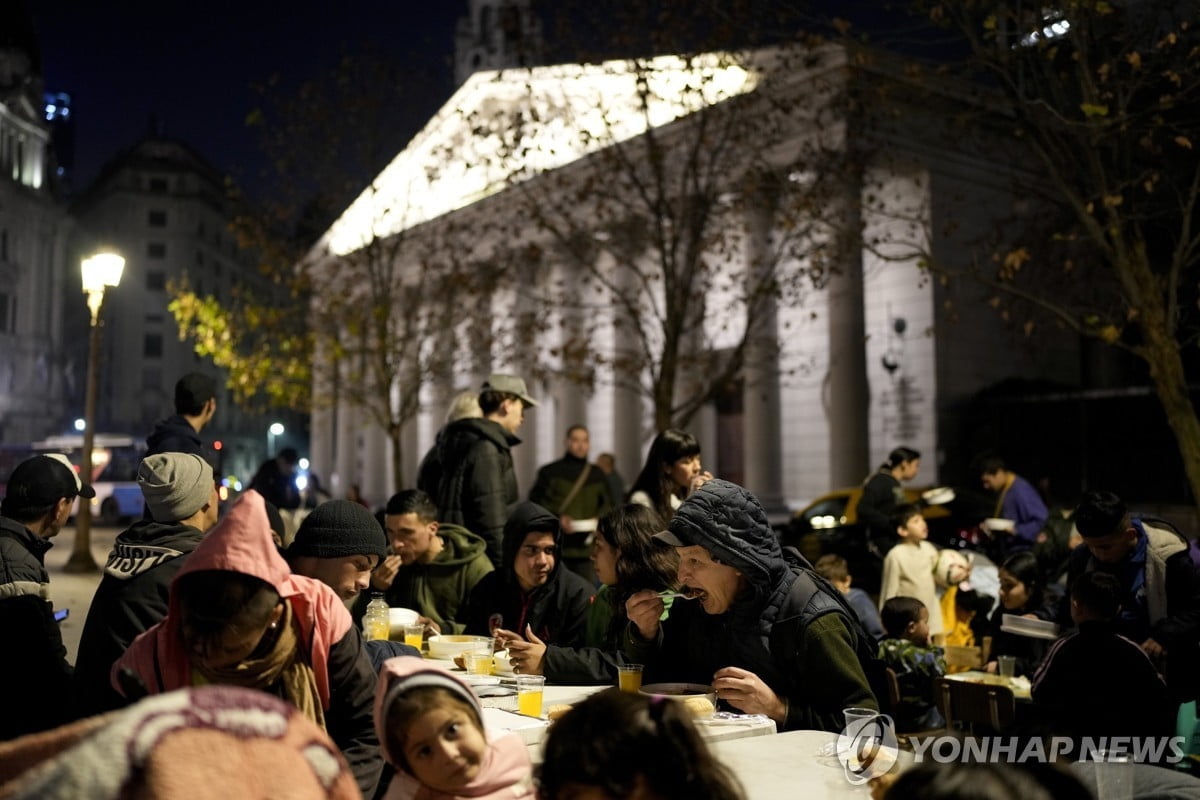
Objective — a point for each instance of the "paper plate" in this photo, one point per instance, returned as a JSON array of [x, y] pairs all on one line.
[[939, 496]]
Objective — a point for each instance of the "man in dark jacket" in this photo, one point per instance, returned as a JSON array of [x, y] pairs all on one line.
[[1160, 587], [195, 405], [34, 670], [578, 492], [276, 480], [773, 638], [472, 467], [532, 593], [433, 565], [133, 594]]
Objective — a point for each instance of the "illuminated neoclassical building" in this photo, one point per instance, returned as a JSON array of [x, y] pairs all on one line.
[[865, 361]]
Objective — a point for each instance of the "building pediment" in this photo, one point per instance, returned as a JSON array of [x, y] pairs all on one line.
[[566, 111]]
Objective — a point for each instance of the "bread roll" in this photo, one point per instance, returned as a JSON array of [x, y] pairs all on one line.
[[698, 706], [557, 710]]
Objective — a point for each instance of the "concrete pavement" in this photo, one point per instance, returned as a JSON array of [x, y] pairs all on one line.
[[75, 592]]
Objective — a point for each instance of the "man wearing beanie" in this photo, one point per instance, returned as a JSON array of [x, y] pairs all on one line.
[[182, 503], [1159, 585], [339, 544]]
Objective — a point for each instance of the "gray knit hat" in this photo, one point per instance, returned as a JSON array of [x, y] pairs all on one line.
[[175, 485], [339, 528]]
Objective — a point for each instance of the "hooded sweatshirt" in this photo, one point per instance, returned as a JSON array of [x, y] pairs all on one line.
[[557, 610], [808, 654], [241, 542], [132, 596], [506, 771], [440, 588]]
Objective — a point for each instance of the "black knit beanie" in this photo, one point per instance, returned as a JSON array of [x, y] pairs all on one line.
[[339, 528]]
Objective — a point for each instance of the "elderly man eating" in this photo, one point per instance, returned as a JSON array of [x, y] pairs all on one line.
[[771, 636]]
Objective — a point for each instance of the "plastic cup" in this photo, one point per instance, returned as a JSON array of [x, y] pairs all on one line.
[[629, 677], [856, 714], [478, 662], [1006, 666], [414, 635], [529, 694]]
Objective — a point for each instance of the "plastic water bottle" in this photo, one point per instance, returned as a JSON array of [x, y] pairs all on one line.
[[377, 619]]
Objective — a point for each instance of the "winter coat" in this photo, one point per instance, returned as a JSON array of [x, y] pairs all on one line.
[[1169, 594], [557, 610], [132, 596], [477, 485], [1074, 685], [882, 494], [789, 627], [241, 542], [555, 481], [176, 435], [34, 671], [505, 773], [276, 486], [440, 589]]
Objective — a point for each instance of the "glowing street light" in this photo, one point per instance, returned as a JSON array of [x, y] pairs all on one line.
[[99, 272], [276, 429]]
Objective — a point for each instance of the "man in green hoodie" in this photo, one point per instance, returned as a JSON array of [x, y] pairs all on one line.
[[433, 566]]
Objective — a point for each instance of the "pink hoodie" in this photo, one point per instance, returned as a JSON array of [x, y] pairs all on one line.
[[241, 542], [506, 771]]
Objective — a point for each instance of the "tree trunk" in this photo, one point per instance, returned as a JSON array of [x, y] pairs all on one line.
[[1166, 370]]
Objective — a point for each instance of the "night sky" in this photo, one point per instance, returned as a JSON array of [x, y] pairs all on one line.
[[191, 65]]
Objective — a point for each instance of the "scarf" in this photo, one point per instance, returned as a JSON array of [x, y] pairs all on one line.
[[284, 663]]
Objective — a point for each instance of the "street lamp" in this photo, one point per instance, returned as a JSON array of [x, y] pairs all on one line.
[[99, 272], [276, 429]]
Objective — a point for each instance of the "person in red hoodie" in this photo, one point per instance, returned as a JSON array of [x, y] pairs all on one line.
[[238, 616], [430, 726]]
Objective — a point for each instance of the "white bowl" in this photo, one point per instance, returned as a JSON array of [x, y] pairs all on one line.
[[998, 524], [445, 647], [939, 496], [503, 665], [397, 619]]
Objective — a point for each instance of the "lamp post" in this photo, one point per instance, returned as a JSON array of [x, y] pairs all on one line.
[[99, 272], [276, 429]]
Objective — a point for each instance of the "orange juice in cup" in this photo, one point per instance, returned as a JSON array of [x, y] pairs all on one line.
[[413, 635], [629, 677], [529, 694]]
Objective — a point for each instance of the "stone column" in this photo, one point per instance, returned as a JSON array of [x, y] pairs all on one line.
[[762, 422], [847, 392]]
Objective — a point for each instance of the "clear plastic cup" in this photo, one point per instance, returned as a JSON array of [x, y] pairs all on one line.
[[629, 677], [1006, 666], [529, 694]]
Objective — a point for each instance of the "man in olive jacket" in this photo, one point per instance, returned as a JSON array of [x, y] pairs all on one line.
[[773, 637], [470, 476], [433, 565]]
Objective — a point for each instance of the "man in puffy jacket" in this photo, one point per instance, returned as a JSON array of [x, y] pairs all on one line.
[[470, 476], [132, 596], [773, 638]]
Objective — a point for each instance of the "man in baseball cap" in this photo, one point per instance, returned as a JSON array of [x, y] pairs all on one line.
[[182, 501], [40, 495]]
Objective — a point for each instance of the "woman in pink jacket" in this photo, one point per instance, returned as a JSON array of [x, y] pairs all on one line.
[[238, 616]]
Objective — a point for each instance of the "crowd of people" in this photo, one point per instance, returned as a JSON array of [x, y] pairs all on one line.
[[200, 615]]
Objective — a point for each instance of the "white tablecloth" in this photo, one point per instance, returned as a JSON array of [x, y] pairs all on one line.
[[788, 765]]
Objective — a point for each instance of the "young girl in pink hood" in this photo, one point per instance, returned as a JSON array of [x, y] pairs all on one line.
[[430, 729]]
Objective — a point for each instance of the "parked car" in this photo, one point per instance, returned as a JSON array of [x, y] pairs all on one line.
[[830, 524]]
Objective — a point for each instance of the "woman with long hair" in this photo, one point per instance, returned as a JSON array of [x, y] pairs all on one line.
[[627, 560], [672, 471], [1024, 593]]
